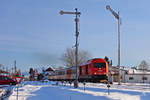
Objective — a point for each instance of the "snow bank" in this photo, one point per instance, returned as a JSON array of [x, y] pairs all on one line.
[[115, 96], [24, 92], [94, 91]]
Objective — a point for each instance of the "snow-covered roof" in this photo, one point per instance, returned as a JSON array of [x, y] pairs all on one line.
[[136, 71], [89, 61], [121, 67], [50, 69]]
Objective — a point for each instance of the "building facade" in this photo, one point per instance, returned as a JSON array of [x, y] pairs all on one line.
[[137, 76]]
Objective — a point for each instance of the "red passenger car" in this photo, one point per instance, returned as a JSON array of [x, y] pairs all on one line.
[[5, 80]]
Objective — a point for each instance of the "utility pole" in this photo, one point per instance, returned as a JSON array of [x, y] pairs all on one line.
[[7, 69], [117, 16], [76, 52], [15, 67], [76, 45], [119, 76], [0, 68]]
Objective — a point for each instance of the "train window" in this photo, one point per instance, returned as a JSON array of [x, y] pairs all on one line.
[[59, 73], [63, 72], [99, 65]]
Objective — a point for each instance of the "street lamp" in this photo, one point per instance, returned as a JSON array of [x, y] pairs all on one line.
[[76, 45], [117, 16]]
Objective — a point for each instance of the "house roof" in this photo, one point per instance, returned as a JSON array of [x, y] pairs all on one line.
[[49, 69], [1, 71], [135, 71]]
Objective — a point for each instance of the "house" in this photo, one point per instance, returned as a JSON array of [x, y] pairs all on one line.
[[137, 76], [48, 72], [114, 72]]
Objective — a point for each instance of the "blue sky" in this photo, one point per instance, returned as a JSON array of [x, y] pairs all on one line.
[[34, 33]]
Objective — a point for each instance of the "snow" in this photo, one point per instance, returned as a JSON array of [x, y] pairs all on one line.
[[115, 96], [93, 91], [137, 71]]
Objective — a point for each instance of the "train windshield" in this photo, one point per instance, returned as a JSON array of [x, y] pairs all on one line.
[[99, 65]]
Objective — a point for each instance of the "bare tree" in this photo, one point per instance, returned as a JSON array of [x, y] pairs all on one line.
[[31, 72], [144, 67], [69, 57]]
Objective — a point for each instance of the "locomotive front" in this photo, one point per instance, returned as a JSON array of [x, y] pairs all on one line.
[[99, 69]]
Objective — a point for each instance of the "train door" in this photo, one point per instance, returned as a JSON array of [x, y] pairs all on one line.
[[80, 71], [86, 69], [89, 69]]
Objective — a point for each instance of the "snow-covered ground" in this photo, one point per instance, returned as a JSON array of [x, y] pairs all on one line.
[[93, 91]]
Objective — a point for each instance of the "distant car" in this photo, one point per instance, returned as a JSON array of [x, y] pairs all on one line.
[[5, 80]]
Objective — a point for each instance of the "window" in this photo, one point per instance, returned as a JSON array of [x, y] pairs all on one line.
[[69, 71], [74, 71], [144, 78], [131, 78], [60, 73], [63, 72], [99, 65]]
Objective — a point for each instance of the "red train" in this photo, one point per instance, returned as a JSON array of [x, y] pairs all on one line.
[[93, 70]]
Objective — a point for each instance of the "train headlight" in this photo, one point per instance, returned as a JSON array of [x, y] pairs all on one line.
[[95, 73]]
